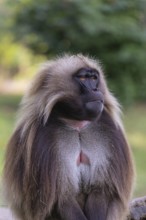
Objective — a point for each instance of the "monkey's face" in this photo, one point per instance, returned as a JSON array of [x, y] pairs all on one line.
[[88, 103]]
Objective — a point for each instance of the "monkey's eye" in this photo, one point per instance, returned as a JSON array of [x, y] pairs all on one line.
[[87, 74], [82, 78], [93, 77]]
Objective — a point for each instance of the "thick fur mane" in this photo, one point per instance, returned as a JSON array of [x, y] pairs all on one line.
[[48, 161]]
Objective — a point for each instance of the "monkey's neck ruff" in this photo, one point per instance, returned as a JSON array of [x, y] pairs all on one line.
[[75, 124]]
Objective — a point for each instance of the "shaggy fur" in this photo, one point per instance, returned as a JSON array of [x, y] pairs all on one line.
[[40, 176]]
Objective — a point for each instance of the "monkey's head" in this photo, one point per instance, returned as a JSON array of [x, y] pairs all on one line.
[[70, 87], [87, 99]]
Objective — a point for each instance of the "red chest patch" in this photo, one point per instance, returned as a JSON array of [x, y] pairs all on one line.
[[83, 159]]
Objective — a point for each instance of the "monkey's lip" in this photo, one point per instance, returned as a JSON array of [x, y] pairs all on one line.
[[95, 100], [94, 104], [76, 124], [94, 108]]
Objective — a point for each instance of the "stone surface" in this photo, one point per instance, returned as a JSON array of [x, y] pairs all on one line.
[[5, 214]]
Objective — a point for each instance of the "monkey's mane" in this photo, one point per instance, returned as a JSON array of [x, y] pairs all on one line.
[[32, 171]]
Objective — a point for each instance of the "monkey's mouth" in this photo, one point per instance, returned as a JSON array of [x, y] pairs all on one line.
[[94, 108]]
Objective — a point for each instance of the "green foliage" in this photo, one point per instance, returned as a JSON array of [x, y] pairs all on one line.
[[135, 123], [8, 106], [16, 59], [112, 30]]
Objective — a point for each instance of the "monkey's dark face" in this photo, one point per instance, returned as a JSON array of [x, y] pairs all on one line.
[[88, 103], [88, 82]]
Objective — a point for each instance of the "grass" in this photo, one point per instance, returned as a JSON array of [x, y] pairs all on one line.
[[8, 107], [135, 123], [134, 120]]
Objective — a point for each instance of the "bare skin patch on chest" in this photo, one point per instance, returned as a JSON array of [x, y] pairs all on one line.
[[83, 159]]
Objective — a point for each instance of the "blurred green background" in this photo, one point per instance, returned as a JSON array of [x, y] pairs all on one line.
[[113, 31]]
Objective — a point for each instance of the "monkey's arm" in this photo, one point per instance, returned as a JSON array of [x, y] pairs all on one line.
[[109, 203], [96, 206], [138, 209], [101, 206], [70, 210]]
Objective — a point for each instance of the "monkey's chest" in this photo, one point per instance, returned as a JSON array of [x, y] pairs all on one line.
[[84, 159], [85, 165], [88, 166]]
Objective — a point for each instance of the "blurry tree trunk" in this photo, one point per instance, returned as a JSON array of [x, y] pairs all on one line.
[[138, 209]]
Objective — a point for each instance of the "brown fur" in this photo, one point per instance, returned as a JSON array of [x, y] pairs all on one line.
[[38, 185]]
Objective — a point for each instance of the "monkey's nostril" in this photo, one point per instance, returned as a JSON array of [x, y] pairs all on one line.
[[94, 90]]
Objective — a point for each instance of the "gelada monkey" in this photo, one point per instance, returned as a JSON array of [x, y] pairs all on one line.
[[68, 158]]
